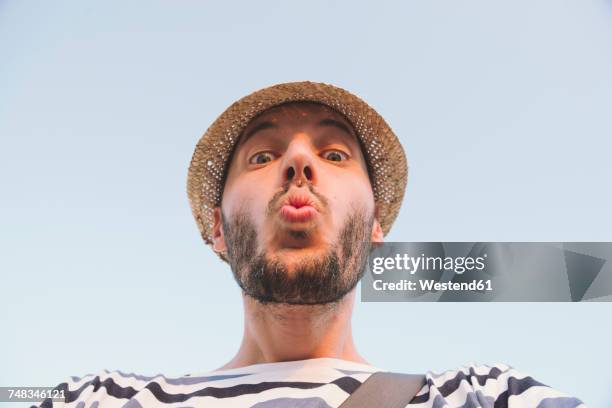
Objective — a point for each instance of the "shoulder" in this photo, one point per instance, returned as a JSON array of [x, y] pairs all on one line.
[[106, 387], [488, 385]]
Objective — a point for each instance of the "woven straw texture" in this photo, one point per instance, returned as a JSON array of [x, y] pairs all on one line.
[[383, 152]]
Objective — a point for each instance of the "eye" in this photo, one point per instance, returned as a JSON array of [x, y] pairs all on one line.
[[335, 155], [262, 158]]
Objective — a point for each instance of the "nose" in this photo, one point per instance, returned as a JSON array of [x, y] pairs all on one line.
[[299, 166]]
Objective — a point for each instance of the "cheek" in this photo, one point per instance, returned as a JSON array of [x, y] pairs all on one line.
[[348, 194], [250, 197]]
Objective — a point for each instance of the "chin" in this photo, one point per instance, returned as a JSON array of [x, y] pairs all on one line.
[[291, 257]]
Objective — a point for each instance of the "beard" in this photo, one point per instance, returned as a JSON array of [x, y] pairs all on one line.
[[313, 280]]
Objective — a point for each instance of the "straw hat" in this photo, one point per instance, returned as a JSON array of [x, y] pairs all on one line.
[[382, 150]]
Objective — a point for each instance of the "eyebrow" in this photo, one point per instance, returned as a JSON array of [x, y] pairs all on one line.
[[336, 123], [269, 125], [257, 128]]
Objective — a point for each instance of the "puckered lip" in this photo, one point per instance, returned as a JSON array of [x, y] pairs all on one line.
[[298, 207], [299, 200]]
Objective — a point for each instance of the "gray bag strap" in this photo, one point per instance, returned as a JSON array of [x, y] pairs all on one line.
[[385, 390]]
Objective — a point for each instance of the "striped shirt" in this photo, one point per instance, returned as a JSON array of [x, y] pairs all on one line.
[[314, 383]]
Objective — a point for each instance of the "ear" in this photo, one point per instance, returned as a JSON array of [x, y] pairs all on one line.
[[217, 232], [377, 232]]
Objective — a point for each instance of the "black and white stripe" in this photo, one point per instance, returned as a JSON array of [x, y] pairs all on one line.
[[316, 383]]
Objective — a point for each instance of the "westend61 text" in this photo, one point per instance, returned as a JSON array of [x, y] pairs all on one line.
[[434, 286]]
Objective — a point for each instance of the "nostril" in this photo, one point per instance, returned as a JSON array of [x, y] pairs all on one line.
[[290, 173], [308, 173]]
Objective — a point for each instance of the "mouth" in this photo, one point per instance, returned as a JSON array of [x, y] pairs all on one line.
[[298, 209]]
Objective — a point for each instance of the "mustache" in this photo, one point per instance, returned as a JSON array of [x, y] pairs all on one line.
[[273, 204]]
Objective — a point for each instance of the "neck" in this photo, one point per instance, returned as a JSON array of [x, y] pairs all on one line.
[[280, 332]]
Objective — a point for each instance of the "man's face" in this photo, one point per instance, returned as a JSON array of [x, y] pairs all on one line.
[[297, 213]]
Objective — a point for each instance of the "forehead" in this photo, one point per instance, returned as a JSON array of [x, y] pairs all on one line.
[[297, 111], [299, 114]]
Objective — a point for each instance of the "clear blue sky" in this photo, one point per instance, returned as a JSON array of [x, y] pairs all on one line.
[[504, 109]]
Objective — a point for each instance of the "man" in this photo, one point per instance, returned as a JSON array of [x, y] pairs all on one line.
[[291, 186]]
